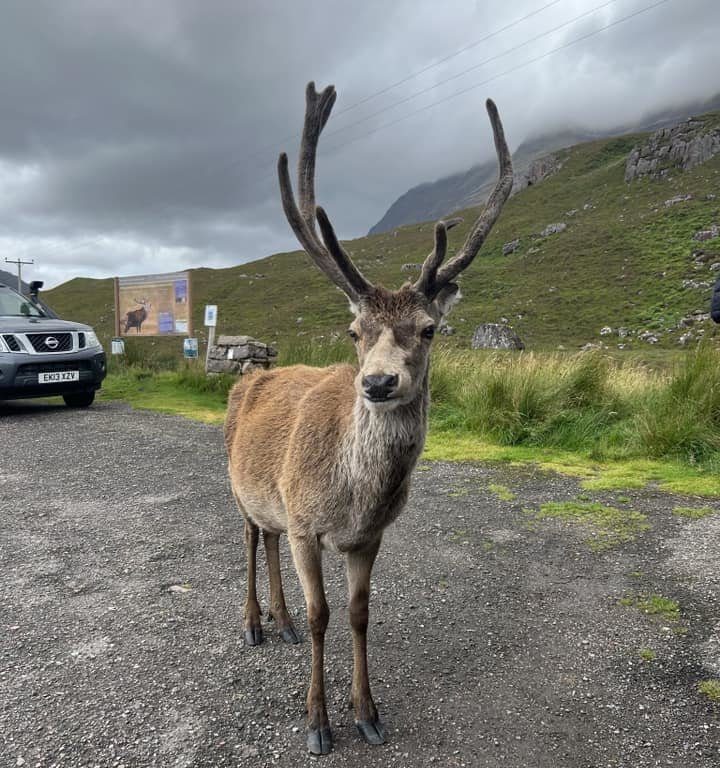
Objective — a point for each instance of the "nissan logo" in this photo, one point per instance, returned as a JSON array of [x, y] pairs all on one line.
[[51, 342]]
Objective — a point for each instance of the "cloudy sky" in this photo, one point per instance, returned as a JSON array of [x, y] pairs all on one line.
[[142, 137]]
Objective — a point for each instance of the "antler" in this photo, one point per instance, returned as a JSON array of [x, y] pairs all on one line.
[[329, 255], [433, 277]]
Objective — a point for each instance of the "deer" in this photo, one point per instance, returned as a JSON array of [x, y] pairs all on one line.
[[136, 317], [325, 455]]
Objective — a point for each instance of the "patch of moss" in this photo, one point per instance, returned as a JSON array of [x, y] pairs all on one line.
[[673, 477], [608, 526], [647, 654], [710, 688], [663, 608], [501, 491], [693, 513]]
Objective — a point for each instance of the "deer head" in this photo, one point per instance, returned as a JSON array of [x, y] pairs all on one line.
[[392, 330]]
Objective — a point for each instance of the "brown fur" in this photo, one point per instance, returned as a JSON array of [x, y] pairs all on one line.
[[326, 454]]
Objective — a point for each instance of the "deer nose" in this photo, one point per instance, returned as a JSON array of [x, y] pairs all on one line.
[[379, 387]]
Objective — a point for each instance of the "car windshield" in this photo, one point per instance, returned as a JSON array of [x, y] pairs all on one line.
[[14, 305]]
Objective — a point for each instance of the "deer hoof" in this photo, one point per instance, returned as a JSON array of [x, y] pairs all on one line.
[[290, 635], [371, 730], [320, 740], [253, 636]]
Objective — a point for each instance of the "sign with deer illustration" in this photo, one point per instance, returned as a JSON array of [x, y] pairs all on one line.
[[153, 305]]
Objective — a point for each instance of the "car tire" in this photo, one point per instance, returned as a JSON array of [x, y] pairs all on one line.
[[79, 399]]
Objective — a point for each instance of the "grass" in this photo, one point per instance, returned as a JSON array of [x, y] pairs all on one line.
[[176, 392], [710, 689], [694, 513], [607, 526], [501, 491], [614, 425], [660, 607], [620, 262]]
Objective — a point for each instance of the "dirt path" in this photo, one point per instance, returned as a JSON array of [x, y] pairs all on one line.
[[495, 639]]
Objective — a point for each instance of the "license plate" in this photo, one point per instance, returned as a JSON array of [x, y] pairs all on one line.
[[56, 376]]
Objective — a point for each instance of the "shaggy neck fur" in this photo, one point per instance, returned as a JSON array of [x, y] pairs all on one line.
[[383, 449]]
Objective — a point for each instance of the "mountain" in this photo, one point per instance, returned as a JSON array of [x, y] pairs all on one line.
[[593, 259], [436, 199]]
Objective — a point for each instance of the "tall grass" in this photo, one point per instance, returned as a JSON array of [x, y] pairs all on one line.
[[587, 403]]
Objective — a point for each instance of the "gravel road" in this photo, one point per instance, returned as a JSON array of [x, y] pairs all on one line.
[[495, 639]]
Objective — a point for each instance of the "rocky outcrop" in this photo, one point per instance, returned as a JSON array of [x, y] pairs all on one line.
[[683, 147], [537, 171], [495, 336], [239, 354]]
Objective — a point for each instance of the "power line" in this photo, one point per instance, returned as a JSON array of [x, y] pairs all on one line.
[[463, 72], [423, 91], [526, 63], [418, 72], [463, 91], [444, 59], [19, 263]]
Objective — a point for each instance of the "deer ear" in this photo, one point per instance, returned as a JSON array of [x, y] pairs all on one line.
[[448, 297]]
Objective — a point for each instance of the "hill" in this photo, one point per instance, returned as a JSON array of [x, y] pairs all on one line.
[[436, 199], [433, 200], [627, 258]]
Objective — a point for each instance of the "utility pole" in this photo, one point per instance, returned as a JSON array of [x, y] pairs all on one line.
[[19, 269]]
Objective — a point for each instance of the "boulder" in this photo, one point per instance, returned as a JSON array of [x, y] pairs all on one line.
[[495, 336], [707, 234], [511, 247], [553, 229]]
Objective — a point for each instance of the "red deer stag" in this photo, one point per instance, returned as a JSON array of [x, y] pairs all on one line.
[[326, 453], [136, 317]]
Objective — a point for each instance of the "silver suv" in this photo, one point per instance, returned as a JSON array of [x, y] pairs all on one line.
[[41, 355]]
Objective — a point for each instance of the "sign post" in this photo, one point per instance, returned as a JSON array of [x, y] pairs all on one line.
[[210, 323]]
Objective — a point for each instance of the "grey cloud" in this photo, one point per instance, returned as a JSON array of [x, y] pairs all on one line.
[[128, 131]]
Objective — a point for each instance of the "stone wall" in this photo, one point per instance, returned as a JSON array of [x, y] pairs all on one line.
[[239, 354]]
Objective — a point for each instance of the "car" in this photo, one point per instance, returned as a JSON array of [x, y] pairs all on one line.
[[42, 355]]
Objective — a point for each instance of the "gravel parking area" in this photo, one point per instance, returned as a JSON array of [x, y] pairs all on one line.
[[496, 639]]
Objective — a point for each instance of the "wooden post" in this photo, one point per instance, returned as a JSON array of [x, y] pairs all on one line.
[[190, 306], [210, 342], [116, 283]]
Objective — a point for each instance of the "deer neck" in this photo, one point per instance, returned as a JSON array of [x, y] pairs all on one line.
[[384, 445]]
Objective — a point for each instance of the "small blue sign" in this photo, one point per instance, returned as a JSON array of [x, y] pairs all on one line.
[[190, 348]]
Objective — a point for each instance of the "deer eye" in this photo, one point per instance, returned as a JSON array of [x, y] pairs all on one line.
[[353, 335], [428, 333]]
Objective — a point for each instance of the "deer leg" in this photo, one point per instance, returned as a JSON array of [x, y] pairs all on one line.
[[308, 561], [278, 609], [253, 627], [359, 567]]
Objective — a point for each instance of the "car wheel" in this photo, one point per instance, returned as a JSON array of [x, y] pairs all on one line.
[[79, 399]]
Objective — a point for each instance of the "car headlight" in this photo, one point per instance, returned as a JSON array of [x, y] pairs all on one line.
[[3, 346], [91, 339]]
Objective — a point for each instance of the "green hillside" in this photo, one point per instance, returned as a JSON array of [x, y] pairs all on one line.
[[621, 261]]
